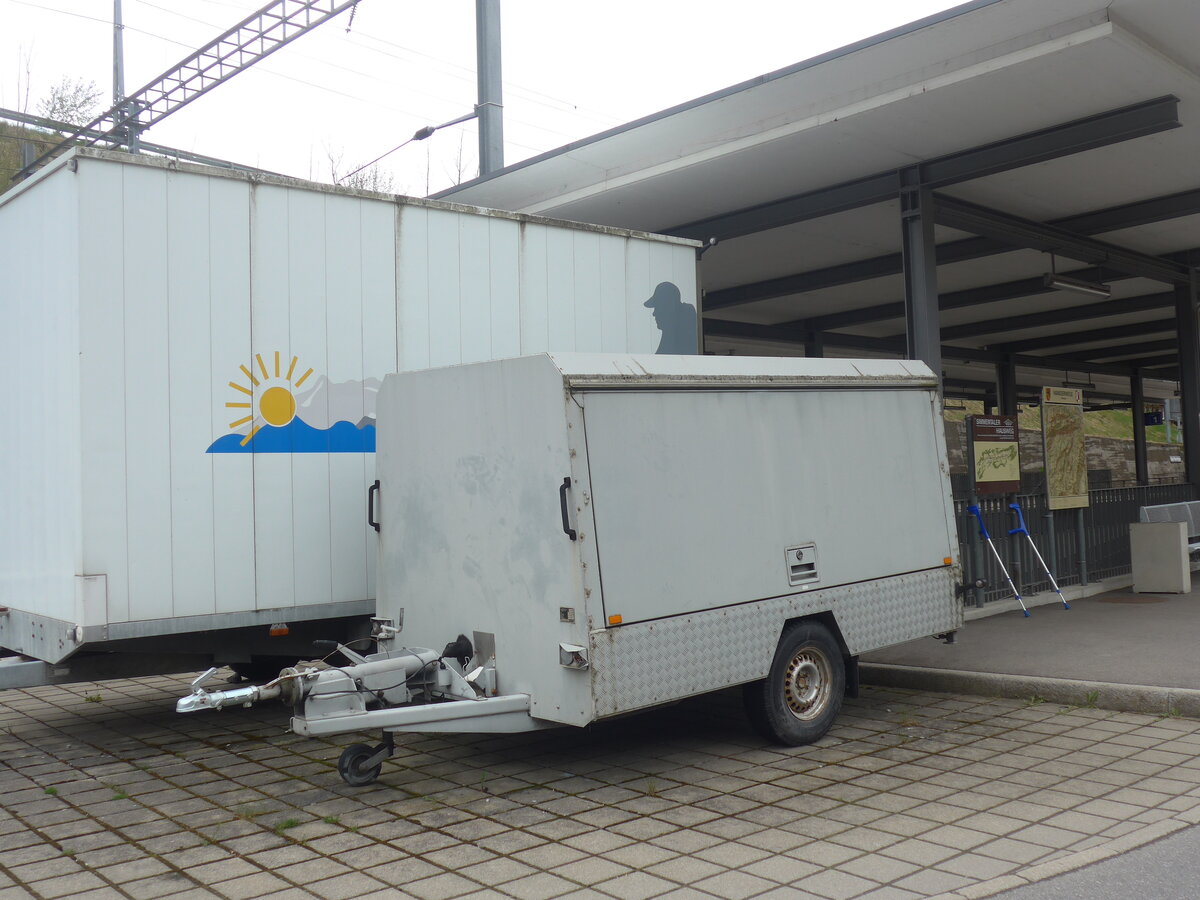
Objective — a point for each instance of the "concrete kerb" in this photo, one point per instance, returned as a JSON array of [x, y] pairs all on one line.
[[1147, 699], [1034, 874]]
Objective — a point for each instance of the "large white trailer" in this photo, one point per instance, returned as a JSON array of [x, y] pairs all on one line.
[[590, 534], [190, 360]]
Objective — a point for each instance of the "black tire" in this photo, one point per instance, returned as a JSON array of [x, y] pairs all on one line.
[[350, 765], [802, 694]]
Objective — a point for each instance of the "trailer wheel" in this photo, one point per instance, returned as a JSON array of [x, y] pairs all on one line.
[[802, 694], [350, 765]]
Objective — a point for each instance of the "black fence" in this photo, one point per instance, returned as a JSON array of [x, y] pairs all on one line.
[[1102, 553]]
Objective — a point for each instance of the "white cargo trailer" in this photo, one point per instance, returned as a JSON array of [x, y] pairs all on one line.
[[192, 358], [589, 535]]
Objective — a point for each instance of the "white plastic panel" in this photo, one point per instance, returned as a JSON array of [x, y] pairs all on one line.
[[380, 351], [346, 267], [229, 267], [39, 363], [102, 384], [147, 394], [270, 237], [190, 396], [312, 305], [504, 310]]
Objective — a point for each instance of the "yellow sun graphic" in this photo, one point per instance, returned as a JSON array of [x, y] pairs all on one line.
[[271, 399]]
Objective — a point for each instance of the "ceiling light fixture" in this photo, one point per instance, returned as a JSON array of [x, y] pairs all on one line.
[[1065, 283], [1084, 383]]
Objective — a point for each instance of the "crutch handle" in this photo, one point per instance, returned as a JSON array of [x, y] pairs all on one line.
[[973, 509], [1020, 529]]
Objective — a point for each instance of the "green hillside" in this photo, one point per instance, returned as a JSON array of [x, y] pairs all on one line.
[[1113, 423]]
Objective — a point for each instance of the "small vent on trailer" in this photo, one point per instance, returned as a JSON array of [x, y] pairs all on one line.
[[802, 564]]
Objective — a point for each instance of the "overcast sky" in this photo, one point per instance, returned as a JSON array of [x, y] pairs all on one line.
[[571, 69]]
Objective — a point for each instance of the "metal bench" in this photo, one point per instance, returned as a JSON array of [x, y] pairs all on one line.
[[1187, 512]]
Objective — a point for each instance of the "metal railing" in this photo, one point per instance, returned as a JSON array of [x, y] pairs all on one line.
[[1103, 552]]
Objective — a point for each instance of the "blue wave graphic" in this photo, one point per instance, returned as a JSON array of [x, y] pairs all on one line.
[[300, 437]]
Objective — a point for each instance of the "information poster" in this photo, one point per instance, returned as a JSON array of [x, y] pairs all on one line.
[[1063, 440], [996, 458]]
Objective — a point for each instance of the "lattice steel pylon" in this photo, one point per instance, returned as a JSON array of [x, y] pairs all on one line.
[[257, 36]]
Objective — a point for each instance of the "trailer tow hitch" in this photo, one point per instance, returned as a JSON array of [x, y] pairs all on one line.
[[199, 698]]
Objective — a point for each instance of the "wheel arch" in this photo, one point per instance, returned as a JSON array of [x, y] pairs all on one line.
[[829, 620]]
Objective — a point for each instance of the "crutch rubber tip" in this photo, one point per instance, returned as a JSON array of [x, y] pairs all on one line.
[[1026, 613], [1066, 605]]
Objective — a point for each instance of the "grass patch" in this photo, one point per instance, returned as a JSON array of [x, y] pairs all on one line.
[[283, 826], [52, 791], [93, 698], [332, 820]]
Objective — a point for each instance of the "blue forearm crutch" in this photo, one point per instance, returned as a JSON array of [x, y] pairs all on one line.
[[983, 533], [1021, 529]]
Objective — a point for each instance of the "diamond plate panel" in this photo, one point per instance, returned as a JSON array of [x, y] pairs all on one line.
[[642, 665]]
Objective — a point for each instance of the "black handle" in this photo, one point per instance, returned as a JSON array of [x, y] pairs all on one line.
[[372, 493], [562, 502]]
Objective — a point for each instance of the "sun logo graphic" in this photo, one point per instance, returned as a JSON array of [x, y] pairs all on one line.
[[294, 411]]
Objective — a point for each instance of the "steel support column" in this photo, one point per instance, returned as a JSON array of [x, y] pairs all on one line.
[[814, 345], [1138, 393], [490, 109], [1189, 375], [1006, 387], [924, 340]]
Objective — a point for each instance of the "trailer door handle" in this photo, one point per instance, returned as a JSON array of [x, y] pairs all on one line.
[[372, 493], [562, 502]]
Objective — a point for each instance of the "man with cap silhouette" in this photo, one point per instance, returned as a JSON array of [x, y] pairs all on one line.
[[674, 318]]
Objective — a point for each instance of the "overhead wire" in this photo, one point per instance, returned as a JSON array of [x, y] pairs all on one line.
[[463, 73]]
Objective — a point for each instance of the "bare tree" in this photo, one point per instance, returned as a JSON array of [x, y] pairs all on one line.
[[71, 100], [457, 170], [370, 178], [24, 77]]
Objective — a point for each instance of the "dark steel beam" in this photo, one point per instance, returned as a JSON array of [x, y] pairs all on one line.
[[1117, 351], [1123, 370], [1020, 232], [992, 293], [1056, 317], [896, 347], [1114, 126], [1127, 215], [1116, 332], [1150, 363]]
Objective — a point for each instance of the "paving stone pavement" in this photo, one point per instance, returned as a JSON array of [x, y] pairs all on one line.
[[105, 792]]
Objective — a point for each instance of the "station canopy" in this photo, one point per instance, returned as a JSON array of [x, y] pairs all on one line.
[[1058, 137]]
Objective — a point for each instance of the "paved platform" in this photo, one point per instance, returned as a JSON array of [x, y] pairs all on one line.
[[1117, 650], [105, 792]]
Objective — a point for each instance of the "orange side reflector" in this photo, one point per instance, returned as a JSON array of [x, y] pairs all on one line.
[[614, 620], [947, 561], [279, 630]]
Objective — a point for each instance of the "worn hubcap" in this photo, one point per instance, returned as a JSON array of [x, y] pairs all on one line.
[[808, 681]]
